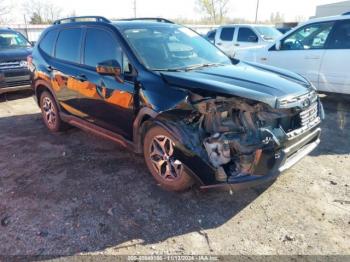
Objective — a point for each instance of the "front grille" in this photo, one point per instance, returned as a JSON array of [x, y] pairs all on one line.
[[299, 101], [309, 115], [12, 65], [308, 119]]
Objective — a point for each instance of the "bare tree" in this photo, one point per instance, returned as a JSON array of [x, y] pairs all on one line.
[[276, 18], [5, 10], [41, 12], [216, 10]]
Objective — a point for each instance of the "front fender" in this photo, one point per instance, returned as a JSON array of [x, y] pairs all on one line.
[[188, 149]]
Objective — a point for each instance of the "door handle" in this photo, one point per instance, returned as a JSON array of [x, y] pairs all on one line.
[[50, 68], [81, 78], [236, 44], [219, 43]]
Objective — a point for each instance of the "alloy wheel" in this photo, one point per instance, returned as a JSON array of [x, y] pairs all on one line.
[[49, 112], [161, 152]]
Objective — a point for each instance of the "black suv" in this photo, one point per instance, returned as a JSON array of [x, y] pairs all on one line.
[[14, 50], [163, 90]]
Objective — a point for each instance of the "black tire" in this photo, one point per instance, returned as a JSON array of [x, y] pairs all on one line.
[[50, 113], [167, 171]]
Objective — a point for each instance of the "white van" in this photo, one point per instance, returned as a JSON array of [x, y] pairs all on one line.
[[230, 38], [318, 50]]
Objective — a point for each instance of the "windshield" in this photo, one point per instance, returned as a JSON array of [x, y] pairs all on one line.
[[268, 33], [173, 48], [12, 40]]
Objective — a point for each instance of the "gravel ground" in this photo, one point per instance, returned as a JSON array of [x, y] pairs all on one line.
[[74, 193]]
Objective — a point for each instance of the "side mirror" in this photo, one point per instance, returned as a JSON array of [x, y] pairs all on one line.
[[110, 68], [278, 45]]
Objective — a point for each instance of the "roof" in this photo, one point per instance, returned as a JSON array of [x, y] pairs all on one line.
[[125, 24], [252, 25], [4, 29], [328, 18]]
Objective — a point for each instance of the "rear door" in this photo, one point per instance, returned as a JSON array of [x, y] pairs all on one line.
[[246, 37], [105, 101], [224, 40], [66, 67], [302, 50], [334, 73]]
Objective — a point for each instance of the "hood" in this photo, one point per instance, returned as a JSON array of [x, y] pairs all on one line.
[[252, 81], [15, 54]]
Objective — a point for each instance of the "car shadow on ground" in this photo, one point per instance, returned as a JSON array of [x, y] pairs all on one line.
[[15, 95], [63, 194]]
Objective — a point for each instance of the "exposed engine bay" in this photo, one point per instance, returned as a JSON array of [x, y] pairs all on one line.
[[235, 131]]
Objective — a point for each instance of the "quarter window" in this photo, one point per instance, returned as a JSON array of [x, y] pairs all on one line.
[[247, 35], [47, 43], [227, 33], [340, 39], [68, 45], [100, 47], [312, 36]]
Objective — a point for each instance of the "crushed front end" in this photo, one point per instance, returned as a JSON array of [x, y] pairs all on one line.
[[248, 142]]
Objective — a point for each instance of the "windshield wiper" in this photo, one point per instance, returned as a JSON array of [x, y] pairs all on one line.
[[169, 70], [194, 67], [189, 68]]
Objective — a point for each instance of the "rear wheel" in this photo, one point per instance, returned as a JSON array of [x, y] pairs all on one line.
[[169, 172], [50, 113]]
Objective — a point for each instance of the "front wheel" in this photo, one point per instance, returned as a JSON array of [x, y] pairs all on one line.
[[169, 172]]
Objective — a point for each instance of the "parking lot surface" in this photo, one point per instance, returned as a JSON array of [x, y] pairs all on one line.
[[75, 193]]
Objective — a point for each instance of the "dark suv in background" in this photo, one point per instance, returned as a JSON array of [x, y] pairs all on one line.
[[163, 90], [14, 50]]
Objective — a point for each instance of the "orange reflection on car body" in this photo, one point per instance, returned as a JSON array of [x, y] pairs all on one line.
[[121, 98]]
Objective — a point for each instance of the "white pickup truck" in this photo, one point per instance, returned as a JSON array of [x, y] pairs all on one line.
[[230, 38], [319, 50]]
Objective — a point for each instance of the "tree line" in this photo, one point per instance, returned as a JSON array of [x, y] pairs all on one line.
[[213, 12]]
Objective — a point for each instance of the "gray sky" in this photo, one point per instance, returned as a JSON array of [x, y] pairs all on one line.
[[181, 8]]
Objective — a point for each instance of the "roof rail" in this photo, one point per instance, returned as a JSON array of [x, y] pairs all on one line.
[[347, 13], [155, 19], [74, 19]]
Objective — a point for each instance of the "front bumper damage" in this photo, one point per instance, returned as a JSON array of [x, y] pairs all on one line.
[[285, 158], [240, 143]]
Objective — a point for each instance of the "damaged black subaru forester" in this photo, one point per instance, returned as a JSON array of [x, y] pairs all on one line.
[[164, 91]]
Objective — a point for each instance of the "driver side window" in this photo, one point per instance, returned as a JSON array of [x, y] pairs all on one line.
[[312, 36], [100, 47]]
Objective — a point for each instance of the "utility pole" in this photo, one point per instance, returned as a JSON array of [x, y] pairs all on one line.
[[135, 9], [257, 10], [25, 22]]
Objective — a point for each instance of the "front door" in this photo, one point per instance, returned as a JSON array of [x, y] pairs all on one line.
[[334, 73], [106, 101], [302, 51]]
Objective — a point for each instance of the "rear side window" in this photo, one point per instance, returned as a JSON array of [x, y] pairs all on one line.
[[100, 47], [227, 33], [340, 38], [68, 45], [48, 42], [246, 35]]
